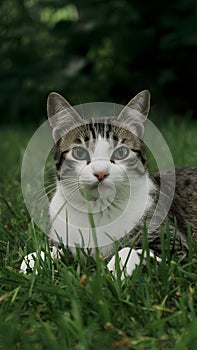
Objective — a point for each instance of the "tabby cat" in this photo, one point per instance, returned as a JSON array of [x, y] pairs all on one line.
[[103, 183]]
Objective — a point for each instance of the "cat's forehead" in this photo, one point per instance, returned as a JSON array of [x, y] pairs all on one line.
[[99, 128]]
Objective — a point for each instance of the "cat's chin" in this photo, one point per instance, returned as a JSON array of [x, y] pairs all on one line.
[[90, 193], [97, 191]]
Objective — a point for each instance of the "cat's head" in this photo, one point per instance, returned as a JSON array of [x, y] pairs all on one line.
[[98, 153]]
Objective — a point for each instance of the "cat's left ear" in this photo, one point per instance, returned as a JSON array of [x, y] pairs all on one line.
[[62, 116], [134, 114]]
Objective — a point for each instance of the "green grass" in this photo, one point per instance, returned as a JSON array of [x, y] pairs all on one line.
[[70, 304]]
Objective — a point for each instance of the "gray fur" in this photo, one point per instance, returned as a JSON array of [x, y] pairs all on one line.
[[184, 206]]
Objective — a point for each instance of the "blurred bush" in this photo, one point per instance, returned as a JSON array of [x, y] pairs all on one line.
[[96, 51]]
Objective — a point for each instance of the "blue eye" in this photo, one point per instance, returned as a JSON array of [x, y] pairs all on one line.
[[80, 153], [120, 153]]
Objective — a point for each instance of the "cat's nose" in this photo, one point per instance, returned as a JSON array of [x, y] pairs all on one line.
[[101, 175]]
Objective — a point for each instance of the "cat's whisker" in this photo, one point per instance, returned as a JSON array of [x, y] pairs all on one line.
[[50, 170], [69, 185], [50, 186], [40, 195]]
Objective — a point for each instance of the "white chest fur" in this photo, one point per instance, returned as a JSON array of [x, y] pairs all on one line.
[[73, 226]]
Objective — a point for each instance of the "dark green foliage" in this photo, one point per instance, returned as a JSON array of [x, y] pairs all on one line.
[[96, 51]]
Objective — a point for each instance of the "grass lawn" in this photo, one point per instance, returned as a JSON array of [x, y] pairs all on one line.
[[73, 305]]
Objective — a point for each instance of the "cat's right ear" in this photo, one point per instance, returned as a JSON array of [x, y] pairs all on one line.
[[62, 116], [134, 114]]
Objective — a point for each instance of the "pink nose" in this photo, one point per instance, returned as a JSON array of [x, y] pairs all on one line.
[[101, 175]]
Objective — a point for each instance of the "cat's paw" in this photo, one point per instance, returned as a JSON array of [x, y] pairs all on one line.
[[30, 261], [128, 260]]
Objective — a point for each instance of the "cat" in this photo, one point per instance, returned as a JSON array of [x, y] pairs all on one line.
[[96, 155], [104, 192]]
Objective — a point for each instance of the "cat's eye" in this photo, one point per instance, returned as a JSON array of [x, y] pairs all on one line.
[[80, 153], [120, 153]]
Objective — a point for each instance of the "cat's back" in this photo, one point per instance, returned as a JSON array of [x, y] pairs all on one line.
[[184, 205]]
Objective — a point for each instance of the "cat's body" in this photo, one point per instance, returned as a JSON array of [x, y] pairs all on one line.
[[103, 185], [184, 205]]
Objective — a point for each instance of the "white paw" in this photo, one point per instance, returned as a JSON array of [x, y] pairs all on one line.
[[30, 261], [128, 260]]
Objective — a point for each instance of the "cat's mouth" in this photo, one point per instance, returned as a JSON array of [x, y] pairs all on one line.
[[97, 190], [90, 192]]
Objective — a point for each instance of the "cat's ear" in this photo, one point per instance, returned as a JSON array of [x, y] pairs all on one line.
[[62, 116], [134, 114]]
